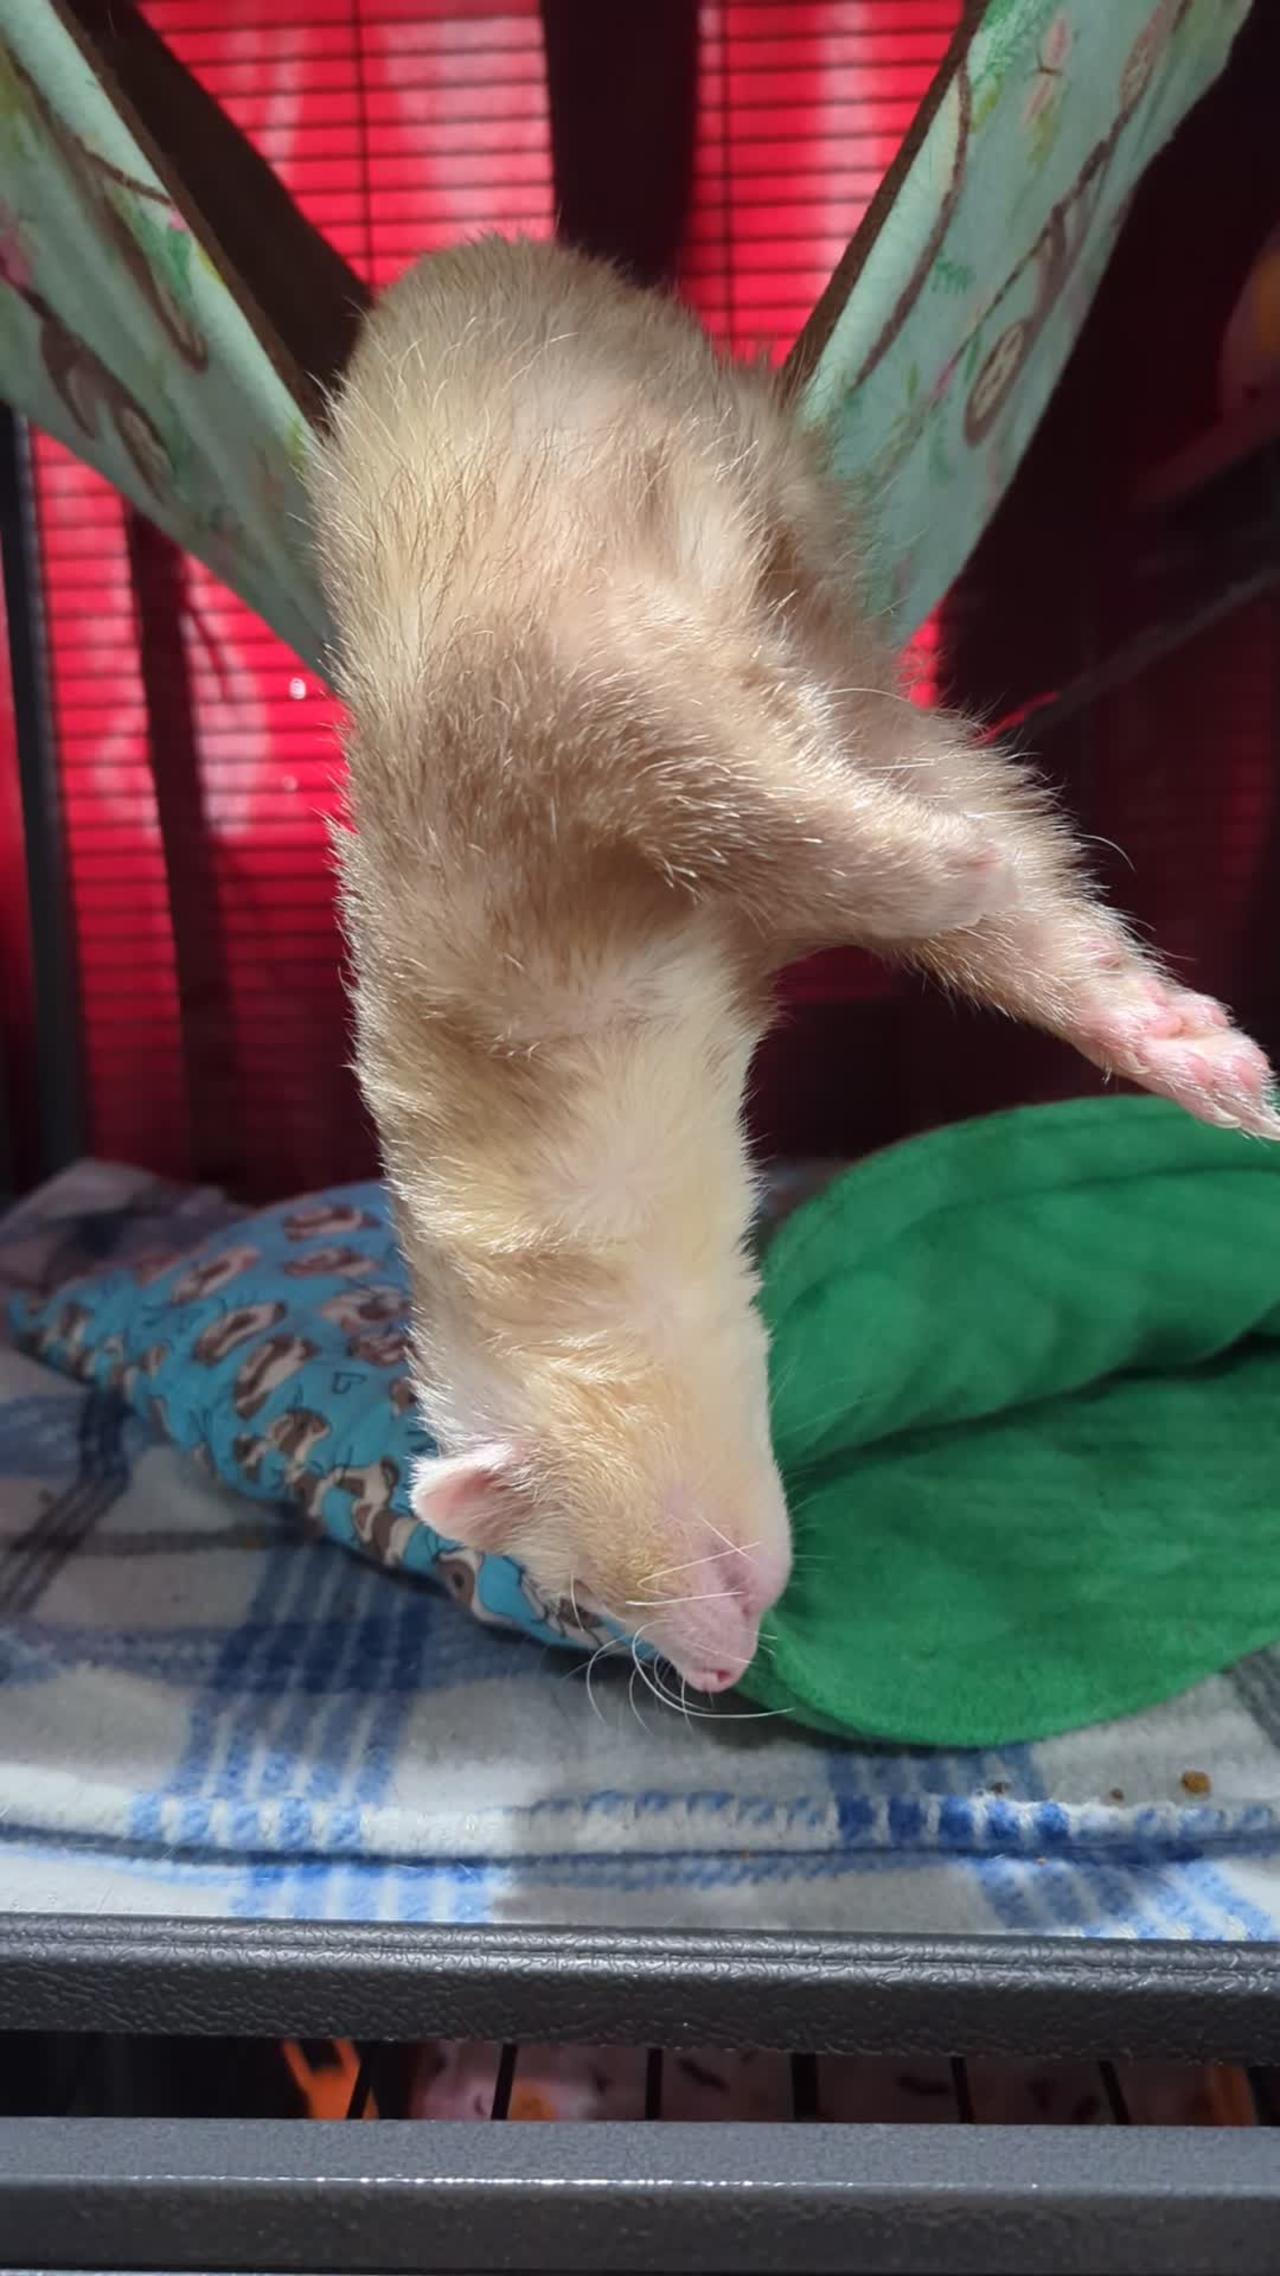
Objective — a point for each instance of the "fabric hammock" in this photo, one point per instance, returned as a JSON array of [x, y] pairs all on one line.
[[172, 318]]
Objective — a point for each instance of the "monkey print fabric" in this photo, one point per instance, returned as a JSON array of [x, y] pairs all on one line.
[[966, 304], [120, 337], [277, 1355]]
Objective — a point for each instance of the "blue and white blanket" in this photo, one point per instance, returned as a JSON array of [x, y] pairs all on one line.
[[204, 1711]]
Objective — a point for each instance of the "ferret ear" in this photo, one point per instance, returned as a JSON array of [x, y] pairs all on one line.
[[469, 1498]]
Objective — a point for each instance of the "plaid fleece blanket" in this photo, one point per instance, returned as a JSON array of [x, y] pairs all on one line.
[[204, 1711]]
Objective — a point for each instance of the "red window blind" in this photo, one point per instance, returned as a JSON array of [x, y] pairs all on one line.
[[119, 897], [398, 125], [802, 107]]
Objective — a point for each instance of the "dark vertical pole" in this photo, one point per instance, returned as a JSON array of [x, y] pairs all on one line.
[[59, 1070], [9, 1138], [156, 566], [622, 84]]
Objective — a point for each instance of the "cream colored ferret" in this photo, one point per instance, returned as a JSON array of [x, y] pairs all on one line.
[[621, 744]]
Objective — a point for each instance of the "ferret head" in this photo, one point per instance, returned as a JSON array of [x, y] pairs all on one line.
[[655, 1503], [673, 1532], [602, 1400]]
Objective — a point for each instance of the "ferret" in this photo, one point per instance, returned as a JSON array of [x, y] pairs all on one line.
[[623, 742]]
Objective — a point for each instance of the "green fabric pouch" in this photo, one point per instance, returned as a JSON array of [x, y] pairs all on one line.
[[1026, 1401]]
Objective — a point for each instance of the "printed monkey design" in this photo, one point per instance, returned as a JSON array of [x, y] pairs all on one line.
[[294, 1435], [459, 1571], [62, 1339], [212, 1275], [327, 1220], [152, 1265], [98, 184], [141, 1371], [65, 1334], [346, 1263], [357, 1309], [89, 389], [222, 1337], [562, 1616], [369, 1487], [1057, 249], [401, 1395], [264, 1370], [386, 1347]]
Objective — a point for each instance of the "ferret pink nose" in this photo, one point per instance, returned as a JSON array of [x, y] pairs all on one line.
[[711, 1637], [714, 1678]]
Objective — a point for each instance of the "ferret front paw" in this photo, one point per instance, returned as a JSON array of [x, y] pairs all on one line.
[[1183, 1047]]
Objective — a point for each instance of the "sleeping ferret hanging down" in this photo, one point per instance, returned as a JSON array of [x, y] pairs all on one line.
[[622, 744]]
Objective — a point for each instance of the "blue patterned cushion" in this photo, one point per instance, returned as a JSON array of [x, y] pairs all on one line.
[[276, 1353]]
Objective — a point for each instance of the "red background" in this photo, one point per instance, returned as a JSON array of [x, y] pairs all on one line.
[[400, 125]]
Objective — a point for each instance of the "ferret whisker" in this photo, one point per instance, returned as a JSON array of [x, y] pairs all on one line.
[[669, 1696], [637, 1669], [652, 1685], [713, 1556], [725, 1714], [1093, 839], [615, 1643], [658, 1669], [748, 1547], [656, 1603], [647, 1672], [881, 695]]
